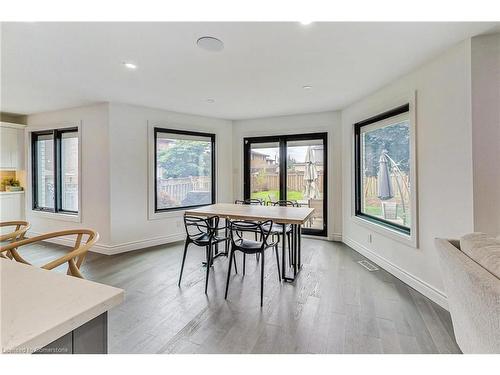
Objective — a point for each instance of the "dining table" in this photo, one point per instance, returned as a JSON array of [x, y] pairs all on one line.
[[290, 218]]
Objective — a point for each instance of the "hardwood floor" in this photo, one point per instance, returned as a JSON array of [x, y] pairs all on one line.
[[334, 306]]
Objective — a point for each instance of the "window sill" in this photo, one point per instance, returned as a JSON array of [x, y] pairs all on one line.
[[58, 216], [394, 234], [176, 212], [166, 214]]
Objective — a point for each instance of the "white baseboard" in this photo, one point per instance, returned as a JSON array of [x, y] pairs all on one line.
[[119, 248], [416, 283], [336, 237]]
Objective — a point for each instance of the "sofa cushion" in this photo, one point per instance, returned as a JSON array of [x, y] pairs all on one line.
[[483, 249]]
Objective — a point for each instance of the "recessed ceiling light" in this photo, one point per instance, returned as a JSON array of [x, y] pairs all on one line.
[[305, 23], [129, 65], [210, 100], [307, 87], [210, 43]]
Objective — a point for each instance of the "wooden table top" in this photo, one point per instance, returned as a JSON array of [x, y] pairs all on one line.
[[278, 214]]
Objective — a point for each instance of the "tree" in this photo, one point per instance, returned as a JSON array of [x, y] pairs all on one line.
[[185, 159], [395, 139]]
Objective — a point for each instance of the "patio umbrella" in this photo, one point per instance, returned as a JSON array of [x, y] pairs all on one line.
[[310, 176], [385, 190]]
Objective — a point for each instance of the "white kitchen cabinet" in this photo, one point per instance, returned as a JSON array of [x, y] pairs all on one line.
[[12, 206], [11, 146]]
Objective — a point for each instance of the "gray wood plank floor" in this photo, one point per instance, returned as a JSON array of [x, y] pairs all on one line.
[[335, 305]]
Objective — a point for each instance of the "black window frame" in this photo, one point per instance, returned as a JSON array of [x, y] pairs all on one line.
[[212, 137], [405, 108], [282, 141], [57, 137]]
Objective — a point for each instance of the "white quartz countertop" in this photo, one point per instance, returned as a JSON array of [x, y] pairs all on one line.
[[38, 306]]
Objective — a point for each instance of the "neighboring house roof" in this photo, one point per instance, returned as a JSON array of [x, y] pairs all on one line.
[[259, 153]]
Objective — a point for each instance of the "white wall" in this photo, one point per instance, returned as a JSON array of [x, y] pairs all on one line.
[[485, 58], [297, 124], [128, 130], [114, 152], [95, 202], [444, 163]]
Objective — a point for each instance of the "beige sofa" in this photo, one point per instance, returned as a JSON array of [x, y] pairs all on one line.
[[471, 275]]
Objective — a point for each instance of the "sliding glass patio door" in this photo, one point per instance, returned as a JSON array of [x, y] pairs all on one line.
[[289, 167], [264, 171]]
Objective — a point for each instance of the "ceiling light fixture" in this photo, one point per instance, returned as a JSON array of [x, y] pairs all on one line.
[[210, 100], [129, 65], [307, 87], [209, 43], [305, 23]]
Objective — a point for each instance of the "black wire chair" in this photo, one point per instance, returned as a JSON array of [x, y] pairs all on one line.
[[251, 202], [284, 203], [202, 232], [246, 246]]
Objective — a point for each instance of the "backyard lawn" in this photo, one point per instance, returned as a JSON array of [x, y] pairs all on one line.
[[377, 211]]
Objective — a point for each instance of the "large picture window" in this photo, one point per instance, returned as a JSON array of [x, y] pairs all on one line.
[[382, 155], [55, 170], [184, 169]]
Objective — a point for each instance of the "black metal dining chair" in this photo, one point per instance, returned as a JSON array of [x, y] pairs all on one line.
[[246, 246], [251, 202], [202, 232]]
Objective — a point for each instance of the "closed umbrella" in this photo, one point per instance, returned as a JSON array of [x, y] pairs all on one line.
[[385, 189], [310, 176]]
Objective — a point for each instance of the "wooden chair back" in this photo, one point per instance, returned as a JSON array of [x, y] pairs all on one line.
[[20, 228], [74, 258], [16, 233]]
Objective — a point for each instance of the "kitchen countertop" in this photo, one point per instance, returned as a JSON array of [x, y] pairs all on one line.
[[39, 306]]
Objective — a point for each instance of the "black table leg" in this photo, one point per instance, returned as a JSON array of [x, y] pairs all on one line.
[[226, 236], [292, 249], [299, 245], [283, 258], [295, 248], [217, 234]]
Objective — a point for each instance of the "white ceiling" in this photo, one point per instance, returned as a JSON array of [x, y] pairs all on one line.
[[260, 72]]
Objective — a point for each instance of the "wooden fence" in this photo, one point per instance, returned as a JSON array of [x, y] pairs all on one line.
[[177, 188], [371, 186], [295, 182]]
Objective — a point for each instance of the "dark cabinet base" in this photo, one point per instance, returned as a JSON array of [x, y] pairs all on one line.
[[90, 338]]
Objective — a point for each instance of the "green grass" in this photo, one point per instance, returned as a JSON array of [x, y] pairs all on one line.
[[264, 195], [373, 210], [377, 211]]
